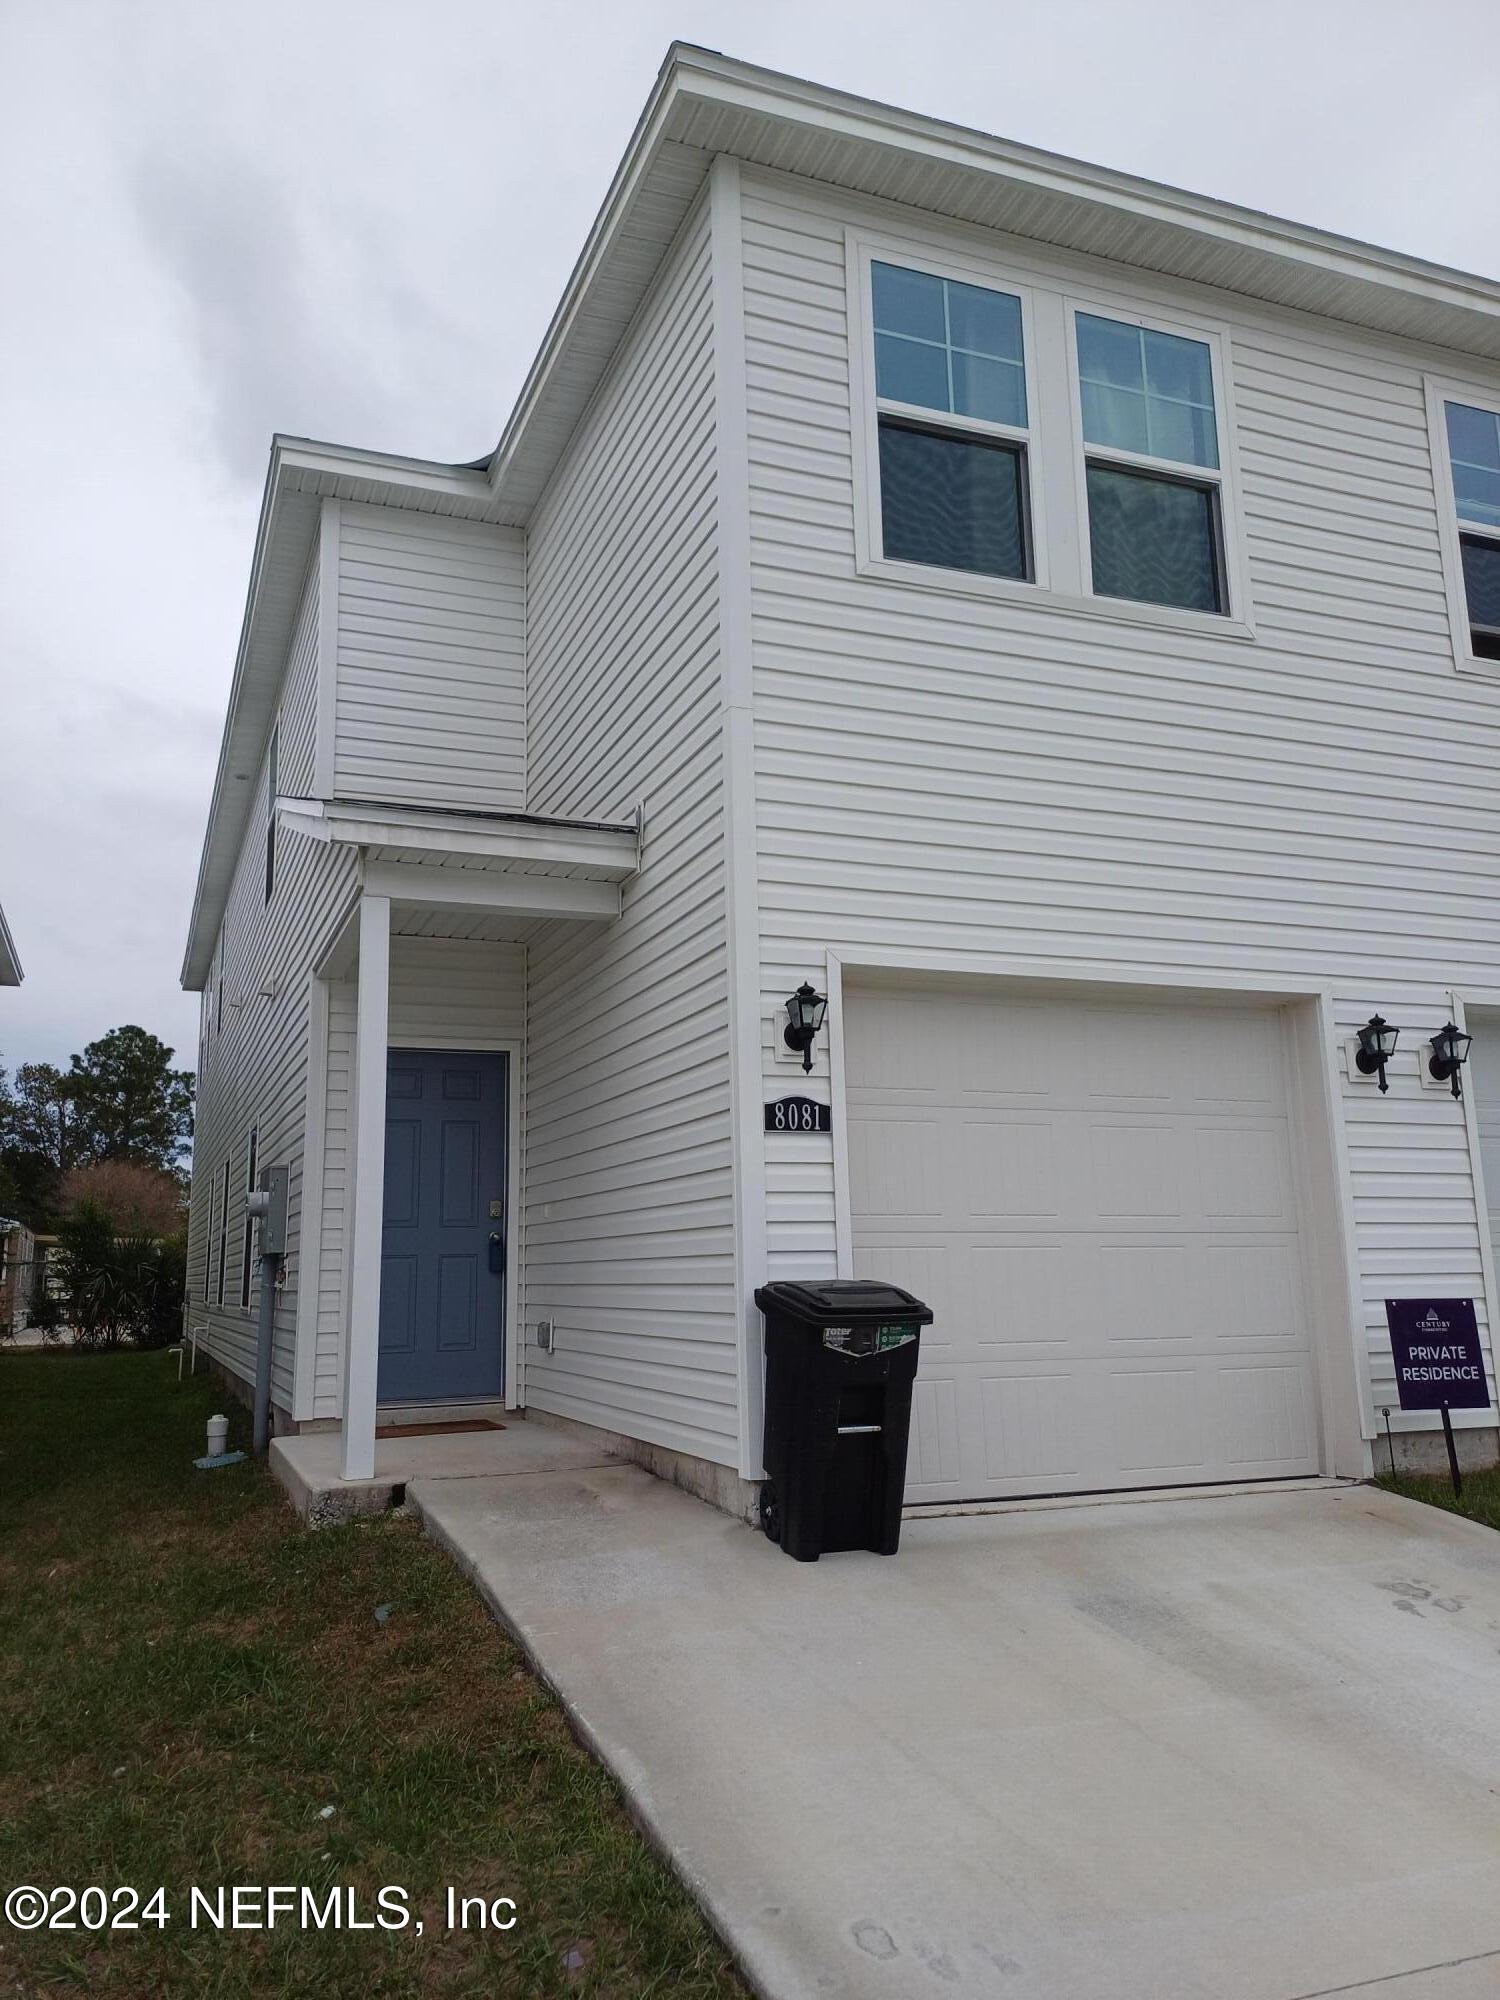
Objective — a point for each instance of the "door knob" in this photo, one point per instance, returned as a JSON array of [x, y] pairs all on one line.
[[497, 1253]]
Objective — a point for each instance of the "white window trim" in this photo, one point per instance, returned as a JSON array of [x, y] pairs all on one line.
[[1224, 476], [865, 251], [1057, 497], [1440, 390]]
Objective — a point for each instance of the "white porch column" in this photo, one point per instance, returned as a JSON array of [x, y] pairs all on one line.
[[362, 1332]]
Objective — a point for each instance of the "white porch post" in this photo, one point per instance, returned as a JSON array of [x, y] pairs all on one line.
[[362, 1332]]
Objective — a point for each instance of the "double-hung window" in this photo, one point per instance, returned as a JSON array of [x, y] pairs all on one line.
[[1030, 440], [1472, 435], [273, 755], [1151, 464], [950, 385], [223, 1231], [247, 1240]]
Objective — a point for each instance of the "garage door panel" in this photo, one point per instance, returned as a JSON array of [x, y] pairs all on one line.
[[1266, 1418], [1157, 1423], [1130, 1056], [1137, 1170], [1243, 1173], [1144, 1288], [1252, 1291], [934, 1458], [1099, 1205], [1007, 1166], [898, 1164], [1031, 1427]]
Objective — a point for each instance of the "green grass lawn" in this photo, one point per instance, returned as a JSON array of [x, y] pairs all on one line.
[[189, 1680], [1480, 1499]]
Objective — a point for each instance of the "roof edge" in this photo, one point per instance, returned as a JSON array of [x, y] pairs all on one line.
[[10, 964]]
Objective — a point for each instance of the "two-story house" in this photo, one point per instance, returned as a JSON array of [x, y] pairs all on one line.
[[1054, 617]]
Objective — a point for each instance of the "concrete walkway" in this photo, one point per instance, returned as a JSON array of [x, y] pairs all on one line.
[[307, 1465], [1235, 1748]]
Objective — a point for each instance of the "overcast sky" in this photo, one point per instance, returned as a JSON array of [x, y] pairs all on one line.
[[352, 221]]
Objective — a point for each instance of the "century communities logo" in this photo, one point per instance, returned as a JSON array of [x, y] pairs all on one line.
[[1431, 1325]]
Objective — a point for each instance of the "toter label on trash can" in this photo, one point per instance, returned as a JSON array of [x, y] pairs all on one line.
[[841, 1357]]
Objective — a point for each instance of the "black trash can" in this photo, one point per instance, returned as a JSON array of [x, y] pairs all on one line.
[[841, 1357]]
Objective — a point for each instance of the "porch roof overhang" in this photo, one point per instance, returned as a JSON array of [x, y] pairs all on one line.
[[525, 867]]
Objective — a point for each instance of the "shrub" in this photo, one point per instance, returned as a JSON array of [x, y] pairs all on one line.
[[118, 1289]]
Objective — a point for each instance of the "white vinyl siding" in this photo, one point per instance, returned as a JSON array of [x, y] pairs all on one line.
[[942, 775], [629, 1213], [255, 1065], [431, 660], [446, 993]]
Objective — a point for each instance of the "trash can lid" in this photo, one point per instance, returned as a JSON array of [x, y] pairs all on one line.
[[841, 1301]]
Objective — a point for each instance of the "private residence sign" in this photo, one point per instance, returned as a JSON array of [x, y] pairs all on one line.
[[1439, 1362]]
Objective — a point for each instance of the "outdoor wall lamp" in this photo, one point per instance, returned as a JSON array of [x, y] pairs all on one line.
[[804, 1017], [1377, 1044], [1450, 1051]]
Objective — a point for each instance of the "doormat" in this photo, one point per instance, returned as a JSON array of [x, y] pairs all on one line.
[[437, 1430]]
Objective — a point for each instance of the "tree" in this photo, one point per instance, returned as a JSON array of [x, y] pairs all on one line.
[[137, 1199], [128, 1102], [39, 1113], [36, 1135]]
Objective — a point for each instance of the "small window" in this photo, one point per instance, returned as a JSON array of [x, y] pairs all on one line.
[[219, 987], [223, 1232], [272, 755], [950, 384], [1151, 453], [210, 1237], [247, 1250], [1474, 455]]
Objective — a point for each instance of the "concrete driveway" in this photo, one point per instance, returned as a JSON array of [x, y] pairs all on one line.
[[1229, 1748]]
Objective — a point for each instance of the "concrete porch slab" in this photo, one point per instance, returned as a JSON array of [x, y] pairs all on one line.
[[1229, 1748], [307, 1465]]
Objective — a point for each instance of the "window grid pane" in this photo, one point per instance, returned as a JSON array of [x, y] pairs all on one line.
[[1481, 561], [952, 502], [944, 345], [1146, 392], [1474, 450], [1154, 540]]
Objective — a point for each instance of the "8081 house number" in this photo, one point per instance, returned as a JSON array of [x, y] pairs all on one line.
[[798, 1114]]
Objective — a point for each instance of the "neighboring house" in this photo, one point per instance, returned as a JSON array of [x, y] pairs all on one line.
[[20, 1273], [1055, 616], [10, 966]]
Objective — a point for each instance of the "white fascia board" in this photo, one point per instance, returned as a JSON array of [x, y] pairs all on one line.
[[770, 94], [498, 892], [10, 966], [605, 852]]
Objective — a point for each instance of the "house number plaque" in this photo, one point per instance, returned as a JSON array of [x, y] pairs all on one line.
[[798, 1114]]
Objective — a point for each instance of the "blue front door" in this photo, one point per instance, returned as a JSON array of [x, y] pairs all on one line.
[[442, 1265]]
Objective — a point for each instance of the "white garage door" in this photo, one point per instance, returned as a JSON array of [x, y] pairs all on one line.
[[1097, 1201]]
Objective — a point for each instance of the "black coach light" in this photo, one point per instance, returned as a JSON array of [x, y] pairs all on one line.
[[1377, 1044], [1450, 1051], [804, 1017]]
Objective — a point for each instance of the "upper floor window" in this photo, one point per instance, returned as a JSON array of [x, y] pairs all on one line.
[[272, 756], [950, 384], [1048, 446], [1473, 435], [1151, 455]]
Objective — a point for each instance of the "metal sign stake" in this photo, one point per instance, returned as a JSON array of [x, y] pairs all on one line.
[[1390, 1444], [1458, 1484]]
